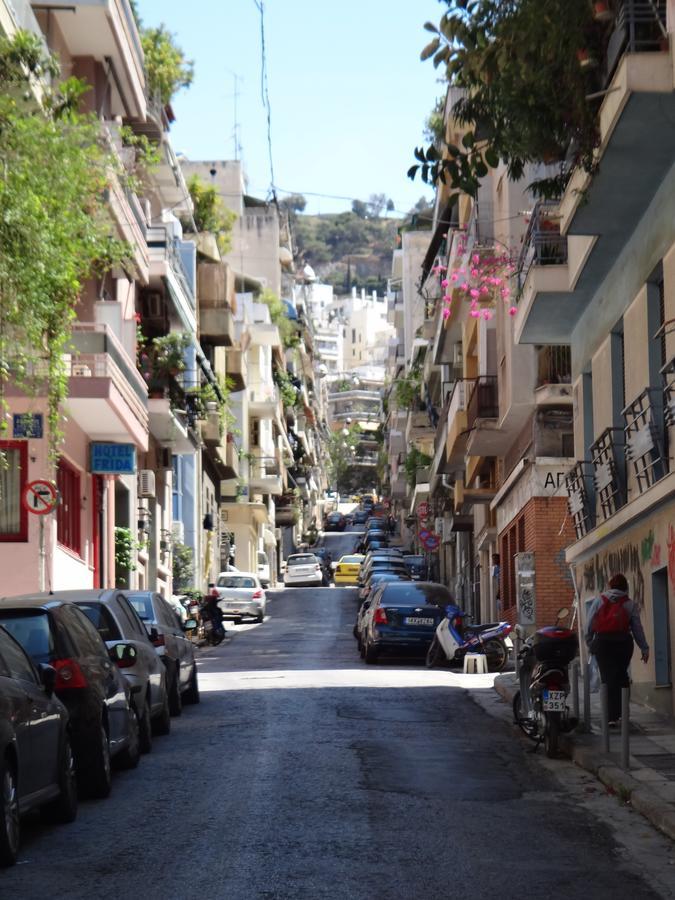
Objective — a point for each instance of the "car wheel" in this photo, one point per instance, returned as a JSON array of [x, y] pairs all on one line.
[[435, 654], [10, 826], [191, 695], [98, 778], [64, 808], [175, 702], [145, 727], [371, 654], [161, 724], [237, 621], [130, 756], [259, 618]]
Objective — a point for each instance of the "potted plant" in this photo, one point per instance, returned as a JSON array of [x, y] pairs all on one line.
[[168, 353]]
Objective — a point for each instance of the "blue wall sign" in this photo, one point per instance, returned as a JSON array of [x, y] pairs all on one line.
[[27, 425], [113, 459]]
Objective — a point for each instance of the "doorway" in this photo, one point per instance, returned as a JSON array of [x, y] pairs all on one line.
[[661, 613]]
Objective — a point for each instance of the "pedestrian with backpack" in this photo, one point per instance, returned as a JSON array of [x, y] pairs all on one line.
[[613, 622]]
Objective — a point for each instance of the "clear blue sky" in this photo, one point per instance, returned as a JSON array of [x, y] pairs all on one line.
[[347, 90]]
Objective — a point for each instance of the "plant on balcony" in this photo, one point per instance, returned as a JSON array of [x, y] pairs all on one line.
[[407, 389], [143, 156], [526, 97], [290, 395], [54, 222], [415, 460], [288, 330], [210, 213], [182, 566], [167, 69], [167, 354], [482, 281], [125, 549]]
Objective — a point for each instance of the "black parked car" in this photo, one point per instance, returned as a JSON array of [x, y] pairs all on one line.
[[359, 516], [36, 759], [334, 521], [417, 565], [96, 694]]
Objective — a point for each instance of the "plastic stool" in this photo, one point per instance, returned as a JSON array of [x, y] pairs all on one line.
[[475, 664]]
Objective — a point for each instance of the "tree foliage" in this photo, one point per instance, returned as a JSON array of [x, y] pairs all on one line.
[[210, 213], [166, 67], [55, 228], [279, 317], [525, 93], [341, 451]]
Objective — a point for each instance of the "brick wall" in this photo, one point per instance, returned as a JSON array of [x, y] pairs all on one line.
[[538, 528]]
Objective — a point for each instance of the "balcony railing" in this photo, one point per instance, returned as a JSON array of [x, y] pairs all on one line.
[[160, 240], [484, 400], [91, 343], [580, 499], [639, 27], [644, 438], [607, 457], [543, 244], [554, 365]]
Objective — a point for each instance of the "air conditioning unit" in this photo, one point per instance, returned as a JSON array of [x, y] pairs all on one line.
[[146, 483], [178, 532], [153, 305]]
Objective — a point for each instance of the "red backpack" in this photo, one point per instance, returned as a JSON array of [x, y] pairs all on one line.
[[612, 617]]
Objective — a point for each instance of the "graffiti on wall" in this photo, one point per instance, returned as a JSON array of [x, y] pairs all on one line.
[[671, 556], [628, 559]]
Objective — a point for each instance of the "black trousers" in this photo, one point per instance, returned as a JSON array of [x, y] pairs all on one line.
[[613, 653]]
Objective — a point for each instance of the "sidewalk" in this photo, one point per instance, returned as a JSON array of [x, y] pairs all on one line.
[[650, 783]]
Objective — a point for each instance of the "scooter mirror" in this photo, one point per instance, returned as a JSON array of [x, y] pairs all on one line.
[[563, 613]]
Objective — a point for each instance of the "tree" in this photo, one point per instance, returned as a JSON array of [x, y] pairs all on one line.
[[360, 209], [340, 450], [166, 67], [55, 228], [376, 204], [210, 213], [526, 97], [279, 317], [293, 203]]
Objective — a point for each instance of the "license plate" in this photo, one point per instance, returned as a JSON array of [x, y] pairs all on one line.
[[417, 620], [554, 701]]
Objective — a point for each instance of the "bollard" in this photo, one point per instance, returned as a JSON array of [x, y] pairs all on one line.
[[574, 678], [516, 651], [587, 697], [625, 726], [604, 717]]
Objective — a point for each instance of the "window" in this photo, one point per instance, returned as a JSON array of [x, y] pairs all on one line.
[[81, 632], [353, 335], [142, 604], [15, 660], [68, 510], [13, 478], [131, 615], [102, 621], [32, 631]]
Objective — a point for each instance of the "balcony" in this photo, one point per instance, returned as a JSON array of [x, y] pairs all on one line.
[[215, 289], [580, 499], [237, 369], [458, 428], [107, 397], [554, 377], [419, 429], [262, 476], [166, 264], [106, 30], [229, 458], [211, 430], [263, 402], [485, 438], [607, 459], [264, 334], [644, 436]]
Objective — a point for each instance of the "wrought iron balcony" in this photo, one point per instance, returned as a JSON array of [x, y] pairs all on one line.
[[484, 400], [644, 438], [543, 244], [607, 457], [580, 498]]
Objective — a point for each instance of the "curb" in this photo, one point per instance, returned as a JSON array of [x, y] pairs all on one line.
[[628, 789]]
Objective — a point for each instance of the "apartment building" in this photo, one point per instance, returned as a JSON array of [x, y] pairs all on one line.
[[610, 296]]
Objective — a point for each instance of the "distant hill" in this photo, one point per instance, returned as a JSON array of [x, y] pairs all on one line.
[[346, 249]]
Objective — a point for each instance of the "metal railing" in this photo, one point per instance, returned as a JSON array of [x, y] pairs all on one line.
[[484, 400], [609, 470], [554, 365], [158, 238], [543, 244]]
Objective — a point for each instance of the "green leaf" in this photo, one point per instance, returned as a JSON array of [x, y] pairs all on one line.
[[453, 150], [412, 171], [492, 157], [430, 49], [419, 154], [468, 140], [429, 26], [480, 168]]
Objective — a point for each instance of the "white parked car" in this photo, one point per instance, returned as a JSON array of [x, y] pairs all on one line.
[[303, 569], [241, 596]]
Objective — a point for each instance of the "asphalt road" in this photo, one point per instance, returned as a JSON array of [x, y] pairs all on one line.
[[306, 774]]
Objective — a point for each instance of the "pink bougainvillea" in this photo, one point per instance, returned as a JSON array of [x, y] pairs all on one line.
[[482, 279]]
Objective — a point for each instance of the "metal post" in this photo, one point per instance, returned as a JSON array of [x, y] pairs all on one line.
[[625, 726], [574, 676], [604, 717], [42, 556], [516, 650], [587, 696]]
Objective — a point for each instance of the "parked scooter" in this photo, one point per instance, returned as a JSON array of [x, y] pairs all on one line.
[[453, 640], [212, 621], [540, 706]]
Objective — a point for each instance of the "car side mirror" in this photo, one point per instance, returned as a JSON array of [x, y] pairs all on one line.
[[124, 655], [190, 624], [153, 634], [48, 678]]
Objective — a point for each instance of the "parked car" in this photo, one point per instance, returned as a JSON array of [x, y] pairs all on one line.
[[115, 619], [263, 569], [347, 569], [403, 617], [379, 577], [334, 521], [359, 516], [37, 765], [382, 564], [417, 565], [173, 646], [103, 722], [241, 596], [303, 569]]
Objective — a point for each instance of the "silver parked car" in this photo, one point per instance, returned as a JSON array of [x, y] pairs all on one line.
[[116, 620], [241, 595], [171, 643]]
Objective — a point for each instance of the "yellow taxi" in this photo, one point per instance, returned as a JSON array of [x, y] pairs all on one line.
[[347, 569]]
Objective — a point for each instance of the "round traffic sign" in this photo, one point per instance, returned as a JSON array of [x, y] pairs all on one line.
[[39, 497], [423, 534], [432, 543], [423, 509]]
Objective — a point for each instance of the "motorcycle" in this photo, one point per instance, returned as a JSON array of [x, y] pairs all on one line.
[[453, 640], [540, 706], [212, 623]]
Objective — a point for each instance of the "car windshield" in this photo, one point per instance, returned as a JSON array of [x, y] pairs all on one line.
[[142, 603], [301, 560], [31, 629], [235, 581], [415, 592], [351, 559], [414, 560]]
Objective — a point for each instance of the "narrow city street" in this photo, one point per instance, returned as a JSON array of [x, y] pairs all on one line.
[[304, 773]]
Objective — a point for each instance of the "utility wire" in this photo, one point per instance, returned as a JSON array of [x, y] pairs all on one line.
[[265, 97]]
